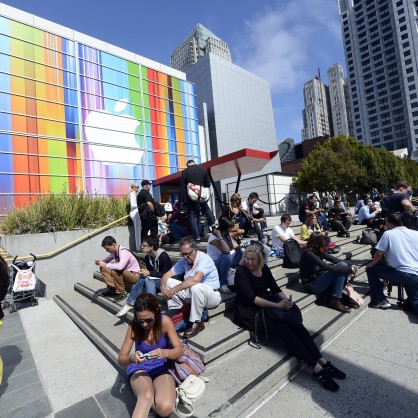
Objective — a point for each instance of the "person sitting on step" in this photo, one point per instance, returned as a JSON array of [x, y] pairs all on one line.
[[158, 262], [201, 281], [257, 291], [120, 267], [340, 220], [283, 232], [224, 251], [254, 217], [317, 276], [155, 341]]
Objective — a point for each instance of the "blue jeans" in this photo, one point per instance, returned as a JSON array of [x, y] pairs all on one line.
[[145, 285], [410, 282], [224, 262], [326, 279], [193, 209], [322, 220], [177, 231]]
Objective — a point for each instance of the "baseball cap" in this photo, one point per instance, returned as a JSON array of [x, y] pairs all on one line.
[[145, 183]]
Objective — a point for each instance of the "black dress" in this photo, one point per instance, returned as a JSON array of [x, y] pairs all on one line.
[[295, 337]]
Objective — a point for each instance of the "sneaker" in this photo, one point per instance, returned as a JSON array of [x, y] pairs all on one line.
[[326, 381], [120, 297], [225, 289], [125, 309], [110, 293], [383, 304], [333, 371]]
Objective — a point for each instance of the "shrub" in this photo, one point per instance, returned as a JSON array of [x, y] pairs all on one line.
[[62, 212]]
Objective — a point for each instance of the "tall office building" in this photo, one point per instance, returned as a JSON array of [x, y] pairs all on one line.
[[381, 47], [235, 108], [340, 112], [316, 114], [78, 114], [198, 43]]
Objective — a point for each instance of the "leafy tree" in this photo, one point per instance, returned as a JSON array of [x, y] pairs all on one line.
[[344, 165]]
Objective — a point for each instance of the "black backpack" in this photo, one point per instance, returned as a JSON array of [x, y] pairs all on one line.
[[158, 209], [292, 253]]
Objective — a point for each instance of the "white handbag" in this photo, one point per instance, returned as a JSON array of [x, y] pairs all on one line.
[[198, 193], [188, 393]]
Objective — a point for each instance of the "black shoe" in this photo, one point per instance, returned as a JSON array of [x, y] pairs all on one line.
[[333, 371], [110, 293], [340, 234], [120, 297], [326, 381], [347, 234]]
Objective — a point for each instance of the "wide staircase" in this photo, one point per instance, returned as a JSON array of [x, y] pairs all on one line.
[[241, 376]]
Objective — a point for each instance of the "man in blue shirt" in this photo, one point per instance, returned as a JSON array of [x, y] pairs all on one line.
[[400, 246], [200, 285], [365, 215]]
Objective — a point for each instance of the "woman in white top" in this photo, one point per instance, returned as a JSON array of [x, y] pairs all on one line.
[[134, 214], [283, 232]]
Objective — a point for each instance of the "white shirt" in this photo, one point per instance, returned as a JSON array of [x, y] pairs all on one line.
[[279, 230]]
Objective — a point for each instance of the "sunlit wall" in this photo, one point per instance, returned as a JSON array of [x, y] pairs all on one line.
[[76, 118]]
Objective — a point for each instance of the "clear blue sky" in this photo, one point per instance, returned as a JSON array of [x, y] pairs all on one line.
[[283, 41]]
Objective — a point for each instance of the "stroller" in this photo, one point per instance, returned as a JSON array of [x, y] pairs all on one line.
[[22, 284]]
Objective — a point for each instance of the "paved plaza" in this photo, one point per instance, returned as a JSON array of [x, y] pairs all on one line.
[[52, 369]]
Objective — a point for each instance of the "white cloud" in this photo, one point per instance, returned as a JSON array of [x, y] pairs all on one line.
[[281, 43]]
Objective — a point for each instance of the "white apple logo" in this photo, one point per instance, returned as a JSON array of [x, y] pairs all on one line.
[[107, 132]]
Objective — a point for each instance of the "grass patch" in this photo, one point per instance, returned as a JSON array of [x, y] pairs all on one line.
[[62, 212]]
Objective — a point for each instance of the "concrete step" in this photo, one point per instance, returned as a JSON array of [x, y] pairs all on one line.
[[240, 374], [247, 376], [221, 334]]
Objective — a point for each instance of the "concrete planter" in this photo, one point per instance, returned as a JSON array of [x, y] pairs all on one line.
[[59, 273]]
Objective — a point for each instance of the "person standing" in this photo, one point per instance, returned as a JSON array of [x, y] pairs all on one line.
[[4, 286], [197, 175], [146, 209], [134, 214]]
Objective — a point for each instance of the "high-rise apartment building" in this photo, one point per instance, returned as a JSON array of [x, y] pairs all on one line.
[[340, 112], [327, 110], [198, 43], [316, 120], [381, 46]]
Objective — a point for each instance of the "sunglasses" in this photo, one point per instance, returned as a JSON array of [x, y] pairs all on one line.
[[146, 321]]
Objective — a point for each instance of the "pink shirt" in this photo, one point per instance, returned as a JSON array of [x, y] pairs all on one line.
[[125, 260]]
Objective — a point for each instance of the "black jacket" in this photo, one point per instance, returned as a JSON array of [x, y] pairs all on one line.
[[160, 265], [195, 174]]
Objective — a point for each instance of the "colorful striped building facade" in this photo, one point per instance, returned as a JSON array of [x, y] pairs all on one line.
[[75, 117]]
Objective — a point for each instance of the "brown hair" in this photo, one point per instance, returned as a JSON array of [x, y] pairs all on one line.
[[147, 302], [309, 217], [316, 243]]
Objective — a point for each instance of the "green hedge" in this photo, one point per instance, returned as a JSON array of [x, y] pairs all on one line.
[[61, 212]]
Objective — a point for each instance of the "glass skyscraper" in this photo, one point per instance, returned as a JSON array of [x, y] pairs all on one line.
[[381, 46]]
